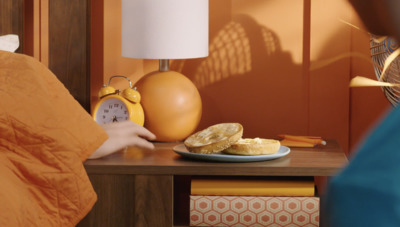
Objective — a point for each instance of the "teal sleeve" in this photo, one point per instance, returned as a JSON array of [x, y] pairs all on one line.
[[367, 191]]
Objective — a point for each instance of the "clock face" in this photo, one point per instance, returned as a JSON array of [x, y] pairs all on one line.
[[112, 110]]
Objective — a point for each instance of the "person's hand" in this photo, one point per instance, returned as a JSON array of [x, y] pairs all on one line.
[[121, 135]]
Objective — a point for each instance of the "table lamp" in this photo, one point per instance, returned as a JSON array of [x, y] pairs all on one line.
[[163, 30]]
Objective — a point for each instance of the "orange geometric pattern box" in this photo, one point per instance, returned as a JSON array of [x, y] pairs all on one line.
[[254, 211]]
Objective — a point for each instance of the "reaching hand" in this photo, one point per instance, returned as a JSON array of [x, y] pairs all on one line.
[[121, 135]]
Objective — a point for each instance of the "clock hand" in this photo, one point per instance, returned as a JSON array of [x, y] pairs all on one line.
[[115, 118]]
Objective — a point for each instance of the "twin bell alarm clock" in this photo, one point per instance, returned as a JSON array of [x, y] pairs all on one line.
[[115, 106]]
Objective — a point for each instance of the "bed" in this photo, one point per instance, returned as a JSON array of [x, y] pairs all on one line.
[[45, 134]]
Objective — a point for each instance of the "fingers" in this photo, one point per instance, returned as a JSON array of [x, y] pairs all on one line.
[[137, 130], [128, 133], [143, 132], [125, 128], [142, 143]]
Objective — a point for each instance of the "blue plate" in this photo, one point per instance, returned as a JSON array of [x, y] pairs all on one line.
[[181, 150]]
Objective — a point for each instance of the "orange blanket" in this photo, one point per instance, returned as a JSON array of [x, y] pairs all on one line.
[[45, 135]]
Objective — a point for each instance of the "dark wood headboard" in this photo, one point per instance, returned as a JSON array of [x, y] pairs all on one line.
[[69, 46], [69, 39], [11, 19]]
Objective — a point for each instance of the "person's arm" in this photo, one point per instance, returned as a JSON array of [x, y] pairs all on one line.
[[121, 135]]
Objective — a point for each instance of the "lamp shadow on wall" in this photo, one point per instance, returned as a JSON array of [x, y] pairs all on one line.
[[247, 78]]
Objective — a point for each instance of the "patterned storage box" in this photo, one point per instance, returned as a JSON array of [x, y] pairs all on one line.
[[254, 211]]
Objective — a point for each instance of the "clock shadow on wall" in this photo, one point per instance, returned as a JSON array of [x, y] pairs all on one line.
[[247, 78]]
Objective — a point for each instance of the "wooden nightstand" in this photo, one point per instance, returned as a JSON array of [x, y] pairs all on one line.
[[151, 188]]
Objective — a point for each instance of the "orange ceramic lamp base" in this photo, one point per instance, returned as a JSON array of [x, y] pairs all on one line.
[[171, 103]]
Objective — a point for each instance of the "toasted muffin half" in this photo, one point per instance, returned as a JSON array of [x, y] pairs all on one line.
[[254, 146], [215, 138]]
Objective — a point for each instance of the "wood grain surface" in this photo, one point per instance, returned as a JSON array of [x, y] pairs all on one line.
[[11, 19], [317, 161], [69, 46], [131, 200]]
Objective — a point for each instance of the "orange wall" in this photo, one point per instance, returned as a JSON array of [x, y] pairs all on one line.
[[258, 69], [368, 105], [264, 66], [328, 86]]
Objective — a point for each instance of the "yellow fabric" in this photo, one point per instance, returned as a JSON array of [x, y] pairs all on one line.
[[45, 135], [252, 187]]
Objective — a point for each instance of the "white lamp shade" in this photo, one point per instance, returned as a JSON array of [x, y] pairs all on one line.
[[165, 29]]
